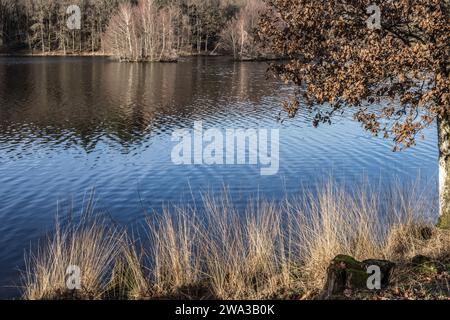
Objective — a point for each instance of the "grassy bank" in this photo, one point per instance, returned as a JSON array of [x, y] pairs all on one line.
[[272, 251]]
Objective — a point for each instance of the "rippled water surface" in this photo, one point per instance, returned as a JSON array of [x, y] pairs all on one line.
[[70, 124]]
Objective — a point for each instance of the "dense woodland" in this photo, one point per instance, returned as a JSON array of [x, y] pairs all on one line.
[[133, 30]]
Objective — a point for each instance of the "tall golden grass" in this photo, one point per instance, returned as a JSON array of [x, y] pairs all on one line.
[[272, 250], [90, 244]]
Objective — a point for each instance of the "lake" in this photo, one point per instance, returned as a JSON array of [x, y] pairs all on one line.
[[68, 125]]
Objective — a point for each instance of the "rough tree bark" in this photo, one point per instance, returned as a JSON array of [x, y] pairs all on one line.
[[444, 170]]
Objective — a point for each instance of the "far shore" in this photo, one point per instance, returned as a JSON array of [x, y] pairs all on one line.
[[103, 54]]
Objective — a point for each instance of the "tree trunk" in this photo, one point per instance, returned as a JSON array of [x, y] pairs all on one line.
[[42, 38], [444, 170]]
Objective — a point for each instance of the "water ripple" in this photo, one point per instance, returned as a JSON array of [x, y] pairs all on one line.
[[67, 125]]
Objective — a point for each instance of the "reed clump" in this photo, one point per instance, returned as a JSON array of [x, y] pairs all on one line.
[[89, 244], [271, 250]]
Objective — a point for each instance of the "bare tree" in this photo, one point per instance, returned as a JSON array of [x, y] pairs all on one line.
[[240, 33], [145, 32]]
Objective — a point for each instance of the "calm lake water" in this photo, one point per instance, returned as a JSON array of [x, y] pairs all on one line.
[[70, 124]]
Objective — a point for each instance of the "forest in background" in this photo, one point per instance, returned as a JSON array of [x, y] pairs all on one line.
[[133, 30]]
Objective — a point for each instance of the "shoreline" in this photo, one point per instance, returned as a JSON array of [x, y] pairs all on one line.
[[59, 54], [288, 251], [40, 55]]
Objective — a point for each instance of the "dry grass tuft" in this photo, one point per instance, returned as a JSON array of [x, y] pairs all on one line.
[[128, 280], [173, 251], [90, 244], [269, 251]]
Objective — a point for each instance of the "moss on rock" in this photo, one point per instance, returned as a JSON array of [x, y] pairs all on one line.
[[347, 273]]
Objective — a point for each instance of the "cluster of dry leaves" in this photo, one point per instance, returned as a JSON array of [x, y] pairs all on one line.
[[396, 78]]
